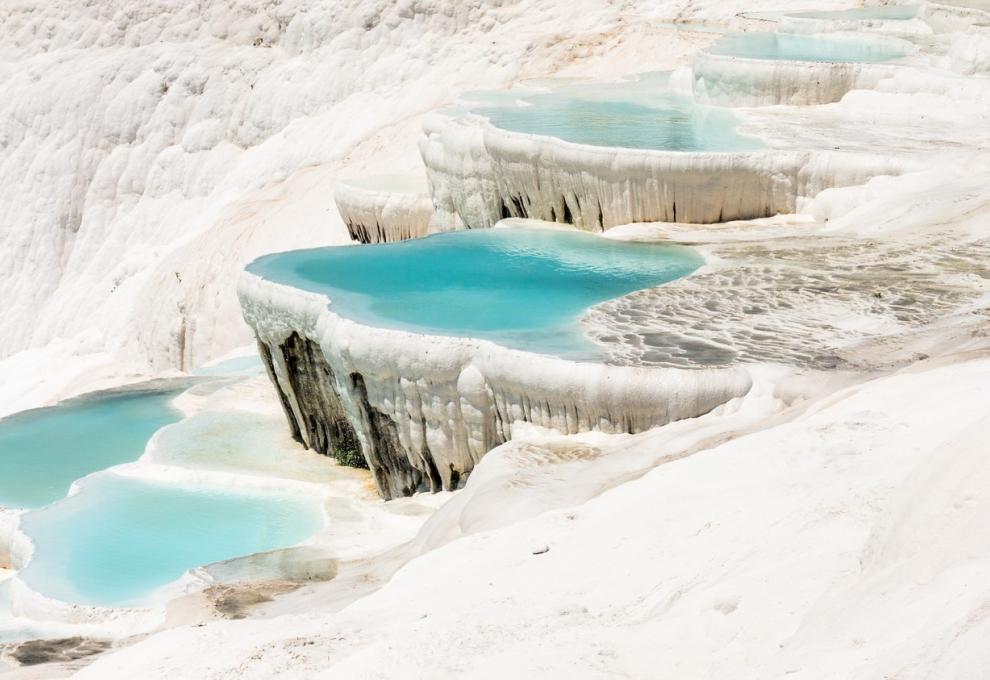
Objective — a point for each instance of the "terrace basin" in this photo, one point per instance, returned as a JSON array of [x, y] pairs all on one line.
[[636, 114], [522, 288], [786, 47]]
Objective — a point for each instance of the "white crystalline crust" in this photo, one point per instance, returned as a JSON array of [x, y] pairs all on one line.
[[457, 396], [383, 216], [811, 26], [957, 15], [736, 81], [480, 174]]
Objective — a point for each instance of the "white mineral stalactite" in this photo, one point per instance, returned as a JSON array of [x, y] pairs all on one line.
[[383, 216], [737, 81], [481, 174]]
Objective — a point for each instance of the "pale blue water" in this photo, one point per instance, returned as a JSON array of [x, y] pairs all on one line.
[[522, 288], [243, 365], [44, 450], [783, 46], [887, 12], [119, 539], [635, 114]]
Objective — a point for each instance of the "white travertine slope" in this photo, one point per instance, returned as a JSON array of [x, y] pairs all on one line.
[[150, 150]]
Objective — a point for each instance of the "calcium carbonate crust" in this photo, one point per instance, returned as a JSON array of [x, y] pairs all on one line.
[[480, 174], [802, 25], [741, 81], [425, 409], [383, 216]]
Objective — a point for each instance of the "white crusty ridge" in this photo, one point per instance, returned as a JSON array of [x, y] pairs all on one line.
[[480, 174], [740, 81], [374, 215]]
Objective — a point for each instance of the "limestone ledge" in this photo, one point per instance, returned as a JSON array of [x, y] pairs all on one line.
[[801, 25], [383, 216], [741, 81], [424, 409], [480, 174], [957, 15]]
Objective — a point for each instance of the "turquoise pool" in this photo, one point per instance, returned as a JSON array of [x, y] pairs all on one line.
[[119, 539], [521, 288], [43, 451], [783, 46], [635, 114]]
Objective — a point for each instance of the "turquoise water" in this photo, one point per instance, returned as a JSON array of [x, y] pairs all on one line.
[[119, 539], [887, 12], [522, 288], [783, 46], [635, 114], [43, 451]]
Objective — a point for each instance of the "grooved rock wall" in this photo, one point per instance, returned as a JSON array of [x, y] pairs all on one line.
[[480, 174], [382, 216]]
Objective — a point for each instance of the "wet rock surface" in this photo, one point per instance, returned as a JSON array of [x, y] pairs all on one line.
[[313, 385], [36, 652], [236, 601]]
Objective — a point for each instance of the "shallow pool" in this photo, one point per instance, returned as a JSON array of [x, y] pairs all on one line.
[[636, 114], [522, 288], [886, 12], [44, 450], [242, 365], [119, 539], [392, 184], [783, 46]]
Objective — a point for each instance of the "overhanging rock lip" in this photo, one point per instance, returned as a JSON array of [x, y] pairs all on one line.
[[446, 401], [252, 285], [383, 215], [481, 174]]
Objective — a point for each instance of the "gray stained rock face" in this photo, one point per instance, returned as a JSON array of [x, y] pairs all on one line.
[[35, 652], [328, 430]]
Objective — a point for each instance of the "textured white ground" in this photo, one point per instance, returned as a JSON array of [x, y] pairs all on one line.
[[823, 526]]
